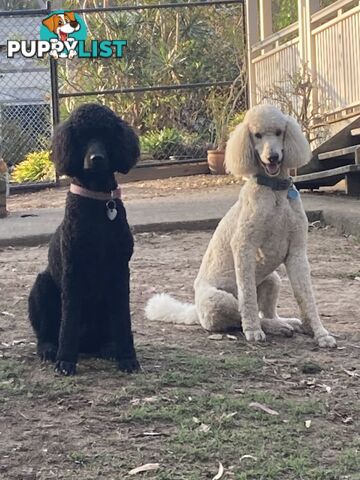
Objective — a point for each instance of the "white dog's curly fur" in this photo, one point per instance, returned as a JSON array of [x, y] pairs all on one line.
[[237, 284]]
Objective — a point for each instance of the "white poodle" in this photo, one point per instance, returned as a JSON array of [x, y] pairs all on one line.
[[237, 284]]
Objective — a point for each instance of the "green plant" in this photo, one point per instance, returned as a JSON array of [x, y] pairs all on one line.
[[36, 167], [161, 143], [235, 120]]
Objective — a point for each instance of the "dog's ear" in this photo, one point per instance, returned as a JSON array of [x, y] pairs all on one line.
[[50, 23], [70, 16], [127, 148], [239, 153], [296, 148], [63, 150]]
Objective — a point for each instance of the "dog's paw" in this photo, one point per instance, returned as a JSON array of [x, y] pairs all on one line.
[[65, 368], [277, 326], [255, 335], [295, 323], [326, 341], [47, 352], [129, 365]]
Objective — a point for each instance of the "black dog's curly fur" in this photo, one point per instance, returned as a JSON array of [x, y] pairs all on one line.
[[80, 303]]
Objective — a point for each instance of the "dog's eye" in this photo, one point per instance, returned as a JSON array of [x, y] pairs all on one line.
[[60, 23], [258, 135], [278, 133]]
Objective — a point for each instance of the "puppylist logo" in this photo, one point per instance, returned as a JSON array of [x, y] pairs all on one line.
[[63, 34]]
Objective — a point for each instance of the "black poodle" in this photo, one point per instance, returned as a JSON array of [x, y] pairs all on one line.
[[80, 303]]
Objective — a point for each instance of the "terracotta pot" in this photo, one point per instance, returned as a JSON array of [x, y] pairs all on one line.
[[215, 160]]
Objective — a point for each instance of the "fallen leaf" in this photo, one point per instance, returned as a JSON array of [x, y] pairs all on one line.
[[264, 408], [244, 457], [138, 401], [204, 428], [215, 336], [230, 415], [7, 314], [347, 420], [239, 390], [144, 468], [196, 420], [307, 423], [220, 472], [231, 337], [350, 373]]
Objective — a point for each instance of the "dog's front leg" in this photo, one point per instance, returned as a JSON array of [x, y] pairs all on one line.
[[245, 264], [119, 343], [298, 270], [67, 354]]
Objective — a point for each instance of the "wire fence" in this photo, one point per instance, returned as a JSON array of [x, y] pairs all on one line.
[[181, 81], [25, 91]]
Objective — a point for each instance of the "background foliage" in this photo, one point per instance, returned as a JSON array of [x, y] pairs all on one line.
[[165, 47]]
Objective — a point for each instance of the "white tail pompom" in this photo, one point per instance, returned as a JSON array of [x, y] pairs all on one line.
[[164, 308]]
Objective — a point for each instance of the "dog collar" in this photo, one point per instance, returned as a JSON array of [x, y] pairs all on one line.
[[109, 198], [104, 196], [274, 183], [279, 184]]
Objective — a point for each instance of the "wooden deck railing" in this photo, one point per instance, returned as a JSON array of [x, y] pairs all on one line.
[[328, 43]]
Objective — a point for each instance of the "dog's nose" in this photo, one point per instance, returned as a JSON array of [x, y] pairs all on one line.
[[97, 160], [74, 23], [273, 158], [96, 157]]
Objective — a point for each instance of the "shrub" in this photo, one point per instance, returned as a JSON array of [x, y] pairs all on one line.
[[161, 143], [37, 167]]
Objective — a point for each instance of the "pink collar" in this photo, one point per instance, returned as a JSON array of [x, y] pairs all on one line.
[[84, 192]]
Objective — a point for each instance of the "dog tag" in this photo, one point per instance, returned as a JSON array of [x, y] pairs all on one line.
[[293, 193], [111, 210]]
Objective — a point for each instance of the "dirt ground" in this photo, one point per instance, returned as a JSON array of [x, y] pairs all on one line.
[[55, 197], [191, 411]]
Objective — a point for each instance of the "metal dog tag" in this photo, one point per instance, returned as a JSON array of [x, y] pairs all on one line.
[[293, 193], [111, 211]]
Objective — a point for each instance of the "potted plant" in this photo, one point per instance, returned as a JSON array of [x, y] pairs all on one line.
[[222, 109]]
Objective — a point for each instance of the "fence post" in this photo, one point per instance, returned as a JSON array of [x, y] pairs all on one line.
[[3, 188], [54, 85], [54, 91], [252, 34], [265, 21], [307, 43]]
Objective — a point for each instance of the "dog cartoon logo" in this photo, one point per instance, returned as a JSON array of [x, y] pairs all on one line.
[[63, 34], [66, 27]]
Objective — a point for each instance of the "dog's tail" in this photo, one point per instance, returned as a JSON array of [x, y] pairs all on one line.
[[164, 308]]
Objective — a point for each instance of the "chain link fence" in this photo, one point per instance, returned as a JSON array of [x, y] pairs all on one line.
[[25, 91]]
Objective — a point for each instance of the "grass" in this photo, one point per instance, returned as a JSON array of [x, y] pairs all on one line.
[[198, 404]]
